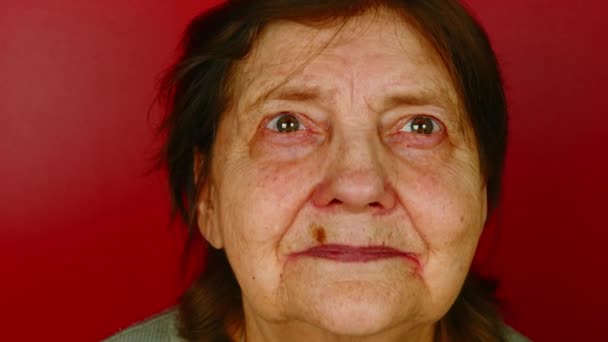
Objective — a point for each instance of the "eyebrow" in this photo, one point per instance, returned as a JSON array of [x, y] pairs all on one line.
[[314, 93], [296, 93], [300, 94], [418, 97]]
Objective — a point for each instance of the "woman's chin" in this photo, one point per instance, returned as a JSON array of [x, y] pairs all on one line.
[[356, 299], [355, 311], [355, 308]]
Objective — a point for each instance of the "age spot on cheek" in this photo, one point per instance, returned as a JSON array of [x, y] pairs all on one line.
[[318, 234]]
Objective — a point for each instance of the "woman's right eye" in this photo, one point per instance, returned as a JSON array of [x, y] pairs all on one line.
[[285, 123]]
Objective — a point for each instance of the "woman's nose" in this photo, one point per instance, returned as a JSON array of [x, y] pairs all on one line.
[[355, 181]]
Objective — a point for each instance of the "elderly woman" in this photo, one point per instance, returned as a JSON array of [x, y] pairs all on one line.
[[341, 159]]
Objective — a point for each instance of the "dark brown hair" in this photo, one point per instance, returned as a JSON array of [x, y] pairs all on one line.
[[197, 90]]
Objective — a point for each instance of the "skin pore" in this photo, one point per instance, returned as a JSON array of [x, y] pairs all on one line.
[[339, 138]]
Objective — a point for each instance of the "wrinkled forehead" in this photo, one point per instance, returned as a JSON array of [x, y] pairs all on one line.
[[292, 52]]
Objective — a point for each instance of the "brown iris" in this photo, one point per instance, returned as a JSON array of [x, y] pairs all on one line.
[[287, 123], [422, 125]]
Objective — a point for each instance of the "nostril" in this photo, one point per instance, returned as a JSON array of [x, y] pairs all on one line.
[[372, 205], [335, 201]]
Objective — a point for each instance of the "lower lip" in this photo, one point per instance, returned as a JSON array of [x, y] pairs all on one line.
[[352, 254]]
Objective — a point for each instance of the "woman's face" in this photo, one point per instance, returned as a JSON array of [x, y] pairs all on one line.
[[345, 186]]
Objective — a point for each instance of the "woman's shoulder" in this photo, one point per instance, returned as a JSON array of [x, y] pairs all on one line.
[[158, 328], [514, 336]]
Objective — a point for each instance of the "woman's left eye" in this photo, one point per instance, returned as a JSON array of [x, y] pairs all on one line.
[[285, 123], [422, 125]]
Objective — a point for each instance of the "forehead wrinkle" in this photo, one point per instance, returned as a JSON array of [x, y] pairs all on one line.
[[265, 74], [429, 55], [289, 90], [256, 65], [445, 83]]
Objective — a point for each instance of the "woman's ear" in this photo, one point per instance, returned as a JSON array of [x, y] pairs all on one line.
[[206, 215]]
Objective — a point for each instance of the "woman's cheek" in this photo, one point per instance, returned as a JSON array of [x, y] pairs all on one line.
[[433, 183], [273, 182], [458, 221]]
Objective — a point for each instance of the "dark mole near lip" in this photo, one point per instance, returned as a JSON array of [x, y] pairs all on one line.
[[318, 233]]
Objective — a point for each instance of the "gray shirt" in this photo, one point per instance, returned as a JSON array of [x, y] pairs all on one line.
[[161, 328]]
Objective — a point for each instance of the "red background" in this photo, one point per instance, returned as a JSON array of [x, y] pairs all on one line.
[[85, 242]]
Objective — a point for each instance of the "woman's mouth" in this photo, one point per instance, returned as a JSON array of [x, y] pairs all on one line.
[[347, 253]]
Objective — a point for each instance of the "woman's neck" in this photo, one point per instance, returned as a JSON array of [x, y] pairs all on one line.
[[257, 329]]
